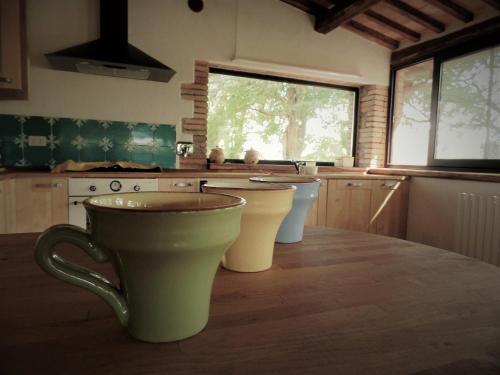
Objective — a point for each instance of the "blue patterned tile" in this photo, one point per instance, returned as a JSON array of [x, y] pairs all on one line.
[[9, 126], [165, 158], [118, 153], [65, 131], [37, 155], [36, 125], [165, 132], [11, 152], [143, 155], [92, 152], [84, 140], [118, 132], [142, 134], [92, 130], [65, 152]]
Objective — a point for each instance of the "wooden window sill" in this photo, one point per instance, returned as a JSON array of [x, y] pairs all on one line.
[[473, 176]]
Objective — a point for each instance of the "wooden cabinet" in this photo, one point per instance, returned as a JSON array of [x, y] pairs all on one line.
[[178, 184], [3, 208], [389, 208], [317, 212], [13, 50], [36, 203], [348, 204], [376, 206]]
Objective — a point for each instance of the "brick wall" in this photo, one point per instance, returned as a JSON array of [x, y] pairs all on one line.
[[371, 128], [370, 151], [197, 92]]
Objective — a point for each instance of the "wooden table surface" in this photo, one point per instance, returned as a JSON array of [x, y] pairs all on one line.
[[338, 303]]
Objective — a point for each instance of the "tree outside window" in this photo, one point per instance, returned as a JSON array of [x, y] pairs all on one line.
[[280, 119]]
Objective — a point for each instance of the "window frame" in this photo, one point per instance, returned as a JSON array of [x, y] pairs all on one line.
[[276, 78], [481, 165], [390, 114]]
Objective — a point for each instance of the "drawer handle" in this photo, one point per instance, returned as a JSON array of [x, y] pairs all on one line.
[[76, 203], [48, 186], [354, 184], [5, 80], [389, 184], [183, 184]]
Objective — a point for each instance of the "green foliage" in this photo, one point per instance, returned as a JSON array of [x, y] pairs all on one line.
[[304, 122]]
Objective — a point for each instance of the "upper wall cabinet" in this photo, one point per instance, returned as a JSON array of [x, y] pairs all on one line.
[[13, 50]]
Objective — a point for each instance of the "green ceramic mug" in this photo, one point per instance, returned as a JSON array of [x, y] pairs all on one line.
[[164, 247]]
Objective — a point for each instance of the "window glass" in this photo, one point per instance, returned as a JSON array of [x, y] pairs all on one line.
[[468, 125], [412, 114], [282, 120]]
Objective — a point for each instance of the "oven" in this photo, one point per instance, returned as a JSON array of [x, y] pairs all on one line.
[[80, 189]]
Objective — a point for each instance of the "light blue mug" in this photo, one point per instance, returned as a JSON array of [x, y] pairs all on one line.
[[292, 228]]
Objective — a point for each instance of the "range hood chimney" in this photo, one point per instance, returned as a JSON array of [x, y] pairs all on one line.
[[111, 54]]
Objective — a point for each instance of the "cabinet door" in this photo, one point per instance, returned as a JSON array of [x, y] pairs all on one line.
[[37, 204], [178, 184], [13, 52], [348, 204], [389, 208], [317, 212]]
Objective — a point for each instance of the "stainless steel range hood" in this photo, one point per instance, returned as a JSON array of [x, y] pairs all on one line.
[[111, 54]]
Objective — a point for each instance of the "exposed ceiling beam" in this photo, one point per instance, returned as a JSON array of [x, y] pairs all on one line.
[[493, 3], [342, 12], [324, 3], [393, 26], [416, 15], [453, 9], [371, 34], [418, 52], [306, 6]]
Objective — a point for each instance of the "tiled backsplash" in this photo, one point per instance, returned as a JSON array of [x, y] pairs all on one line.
[[84, 140]]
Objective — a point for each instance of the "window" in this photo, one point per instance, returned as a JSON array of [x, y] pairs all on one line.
[[446, 111], [468, 120], [282, 119], [412, 114]]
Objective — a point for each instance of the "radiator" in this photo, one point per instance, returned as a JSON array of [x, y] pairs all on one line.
[[477, 227]]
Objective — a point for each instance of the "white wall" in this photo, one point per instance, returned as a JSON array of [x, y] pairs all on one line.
[[266, 30], [433, 207], [280, 34]]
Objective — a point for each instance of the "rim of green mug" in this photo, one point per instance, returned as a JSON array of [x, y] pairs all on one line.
[[234, 201]]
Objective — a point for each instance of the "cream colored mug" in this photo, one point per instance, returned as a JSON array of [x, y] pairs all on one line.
[[266, 208]]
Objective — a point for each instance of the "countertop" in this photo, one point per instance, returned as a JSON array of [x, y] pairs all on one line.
[[338, 303], [333, 172], [189, 174]]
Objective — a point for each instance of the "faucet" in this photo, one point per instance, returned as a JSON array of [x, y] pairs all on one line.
[[184, 148], [299, 165]]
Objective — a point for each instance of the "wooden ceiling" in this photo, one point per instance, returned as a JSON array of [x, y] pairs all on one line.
[[393, 22]]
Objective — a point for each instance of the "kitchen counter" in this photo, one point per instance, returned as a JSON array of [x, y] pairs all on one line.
[[338, 303], [332, 172], [191, 174], [454, 175]]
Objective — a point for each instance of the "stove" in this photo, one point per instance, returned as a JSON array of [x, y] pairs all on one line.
[[80, 189]]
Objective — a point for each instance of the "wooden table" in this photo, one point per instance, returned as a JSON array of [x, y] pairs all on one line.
[[338, 303]]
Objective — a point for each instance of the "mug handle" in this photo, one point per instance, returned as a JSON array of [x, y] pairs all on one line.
[[56, 266]]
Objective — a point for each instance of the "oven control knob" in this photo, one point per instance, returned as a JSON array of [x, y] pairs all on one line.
[[115, 185], [93, 188], [137, 188]]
